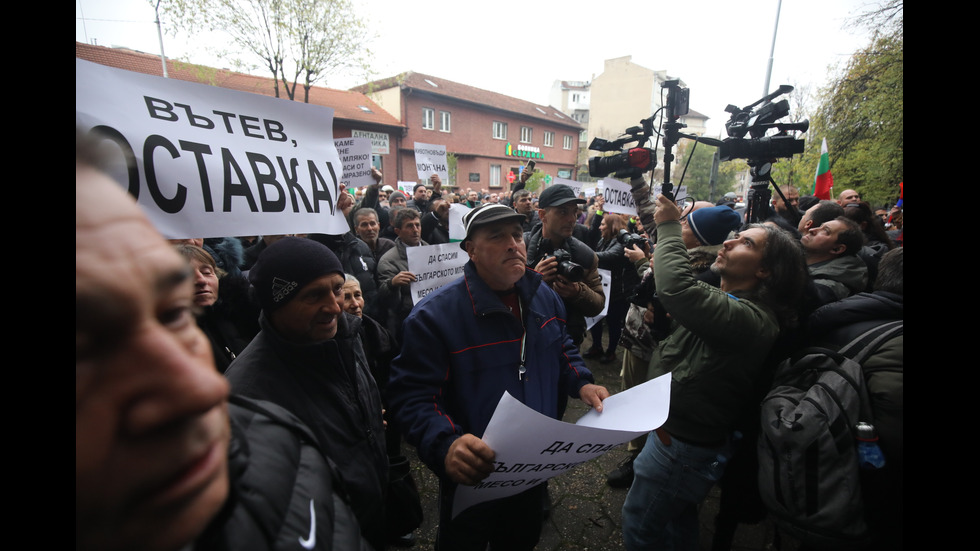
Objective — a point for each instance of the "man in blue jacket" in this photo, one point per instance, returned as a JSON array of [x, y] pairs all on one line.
[[496, 329]]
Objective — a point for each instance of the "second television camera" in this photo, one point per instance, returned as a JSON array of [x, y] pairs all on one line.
[[756, 123], [629, 161]]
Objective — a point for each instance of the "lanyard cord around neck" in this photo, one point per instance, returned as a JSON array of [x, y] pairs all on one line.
[[522, 369]]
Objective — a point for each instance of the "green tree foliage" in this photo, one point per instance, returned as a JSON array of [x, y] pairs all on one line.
[[535, 183], [861, 114], [452, 162], [698, 173], [296, 41]]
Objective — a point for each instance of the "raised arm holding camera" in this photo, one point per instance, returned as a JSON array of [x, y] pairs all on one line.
[[718, 338], [715, 352]]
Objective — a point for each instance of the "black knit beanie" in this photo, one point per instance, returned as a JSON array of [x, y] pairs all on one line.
[[287, 266]]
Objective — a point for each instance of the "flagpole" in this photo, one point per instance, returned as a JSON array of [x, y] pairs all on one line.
[[823, 181]]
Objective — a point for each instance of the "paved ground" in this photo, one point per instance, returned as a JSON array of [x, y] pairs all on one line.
[[586, 513]]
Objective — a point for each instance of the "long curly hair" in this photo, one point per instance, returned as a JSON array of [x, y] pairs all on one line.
[[783, 290]]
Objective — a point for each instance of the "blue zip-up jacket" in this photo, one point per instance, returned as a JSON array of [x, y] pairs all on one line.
[[462, 350]]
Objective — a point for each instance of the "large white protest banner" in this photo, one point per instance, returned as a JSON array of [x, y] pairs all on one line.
[[606, 277], [205, 161], [355, 155], [529, 448], [431, 159], [617, 197], [434, 266]]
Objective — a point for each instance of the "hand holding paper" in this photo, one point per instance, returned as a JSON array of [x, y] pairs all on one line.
[[593, 395], [469, 460]]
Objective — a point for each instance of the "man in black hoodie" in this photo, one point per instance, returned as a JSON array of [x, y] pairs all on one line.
[[309, 358]]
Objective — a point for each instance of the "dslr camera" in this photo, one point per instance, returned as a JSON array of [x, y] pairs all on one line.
[[628, 239], [566, 268], [644, 296]]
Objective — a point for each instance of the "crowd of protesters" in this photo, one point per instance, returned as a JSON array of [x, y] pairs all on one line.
[[322, 333]]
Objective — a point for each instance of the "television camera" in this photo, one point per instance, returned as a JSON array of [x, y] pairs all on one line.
[[760, 151], [636, 160], [630, 161]]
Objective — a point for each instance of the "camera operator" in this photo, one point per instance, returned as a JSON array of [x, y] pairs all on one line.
[[703, 230], [558, 211], [715, 351], [789, 209]]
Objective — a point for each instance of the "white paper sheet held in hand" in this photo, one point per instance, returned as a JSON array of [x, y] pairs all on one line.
[[530, 447]]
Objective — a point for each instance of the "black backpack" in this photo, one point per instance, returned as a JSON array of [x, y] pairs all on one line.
[[809, 477]]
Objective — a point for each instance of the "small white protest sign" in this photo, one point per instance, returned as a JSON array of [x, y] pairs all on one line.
[[574, 184], [355, 156], [456, 213], [431, 159], [617, 197], [680, 192], [434, 266], [379, 140], [408, 188], [606, 276]]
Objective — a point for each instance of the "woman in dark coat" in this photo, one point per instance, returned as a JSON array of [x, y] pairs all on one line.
[[226, 314], [624, 281]]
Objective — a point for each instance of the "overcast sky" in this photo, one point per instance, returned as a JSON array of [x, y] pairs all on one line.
[[719, 48]]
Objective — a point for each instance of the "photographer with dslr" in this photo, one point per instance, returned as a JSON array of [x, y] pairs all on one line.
[[611, 238], [567, 264]]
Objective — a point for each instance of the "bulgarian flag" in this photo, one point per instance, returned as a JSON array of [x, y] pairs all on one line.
[[824, 179]]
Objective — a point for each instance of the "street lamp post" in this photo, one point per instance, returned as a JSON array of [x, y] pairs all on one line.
[[772, 50], [163, 58]]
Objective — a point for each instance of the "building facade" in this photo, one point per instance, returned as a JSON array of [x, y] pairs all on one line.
[[572, 98], [490, 135], [623, 95]]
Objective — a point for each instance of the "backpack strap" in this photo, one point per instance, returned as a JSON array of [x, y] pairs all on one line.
[[861, 348], [867, 343]]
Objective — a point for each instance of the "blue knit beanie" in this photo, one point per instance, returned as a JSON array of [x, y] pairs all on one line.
[[287, 266], [713, 224]]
